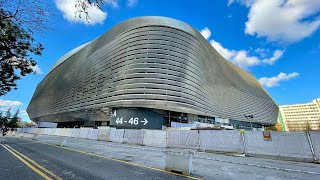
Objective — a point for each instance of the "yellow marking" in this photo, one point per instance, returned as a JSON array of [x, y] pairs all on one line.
[[121, 161], [38, 165], [28, 164], [113, 159]]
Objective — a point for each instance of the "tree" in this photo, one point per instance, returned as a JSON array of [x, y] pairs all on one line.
[[308, 127], [7, 117], [28, 124], [13, 123], [8, 120], [276, 127], [271, 128], [2, 119], [30, 15], [82, 6], [16, 46], [19, 19]]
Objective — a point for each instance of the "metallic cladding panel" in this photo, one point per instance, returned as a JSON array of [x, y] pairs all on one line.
[[150, 62]]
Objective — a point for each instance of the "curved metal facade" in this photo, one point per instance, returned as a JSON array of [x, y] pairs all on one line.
[[150, 62]]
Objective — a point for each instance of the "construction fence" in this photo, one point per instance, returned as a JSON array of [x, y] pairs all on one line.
[[291, 145]]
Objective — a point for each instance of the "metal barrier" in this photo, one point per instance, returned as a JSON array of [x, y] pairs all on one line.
[[295, 145]]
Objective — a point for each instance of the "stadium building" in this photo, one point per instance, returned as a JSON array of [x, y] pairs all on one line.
[[149, 72]]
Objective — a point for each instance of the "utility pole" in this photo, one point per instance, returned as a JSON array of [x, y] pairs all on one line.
[[250, 118]]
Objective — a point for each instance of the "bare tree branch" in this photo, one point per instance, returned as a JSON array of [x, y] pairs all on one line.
[[82, 6], [31, 15]]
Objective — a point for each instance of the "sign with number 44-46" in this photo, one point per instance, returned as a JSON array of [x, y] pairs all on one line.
[[136, 118], [132, 121]]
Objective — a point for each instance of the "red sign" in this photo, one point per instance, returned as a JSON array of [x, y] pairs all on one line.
[[266, 135]]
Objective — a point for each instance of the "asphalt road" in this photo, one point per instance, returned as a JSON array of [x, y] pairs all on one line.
[[55, 162]]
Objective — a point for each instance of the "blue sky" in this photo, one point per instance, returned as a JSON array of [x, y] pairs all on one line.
[[277, 41]]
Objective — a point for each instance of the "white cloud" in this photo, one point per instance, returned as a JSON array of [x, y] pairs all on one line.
[[282, 20], [276, 55], [274, 81], [4, 104], [262, 52], [23, 113], [132, 3], [230, 2], [113, 3], [67, 7], [243, 2], [241, 57], [37, 69], [206, 33]]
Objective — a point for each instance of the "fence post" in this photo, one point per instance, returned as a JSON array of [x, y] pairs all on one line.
[[198, 139], [142, 131], [244, 142], [124, 131], [35, 135], [311, 146], [166, 138]]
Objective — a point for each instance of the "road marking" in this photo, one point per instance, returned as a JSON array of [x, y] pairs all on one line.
[[117, 160], [201, 157], [28, 164], [38, 165], [208, 158], [113, 159]]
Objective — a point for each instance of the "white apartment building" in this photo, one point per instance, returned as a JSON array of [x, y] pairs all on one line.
[[295, 117]]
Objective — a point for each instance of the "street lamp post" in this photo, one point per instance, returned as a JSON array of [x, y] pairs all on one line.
[[250, 118]]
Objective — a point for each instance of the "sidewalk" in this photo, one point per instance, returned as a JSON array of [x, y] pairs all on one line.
[[205, 165]]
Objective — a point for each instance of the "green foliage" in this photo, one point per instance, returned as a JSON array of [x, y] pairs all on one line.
[[15, 49], [5, 117], [2, 119], [8, 115], [18, 21], [8, 120], [13, 123]]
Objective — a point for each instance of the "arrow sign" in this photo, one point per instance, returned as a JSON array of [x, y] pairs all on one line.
[[145, 121]]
